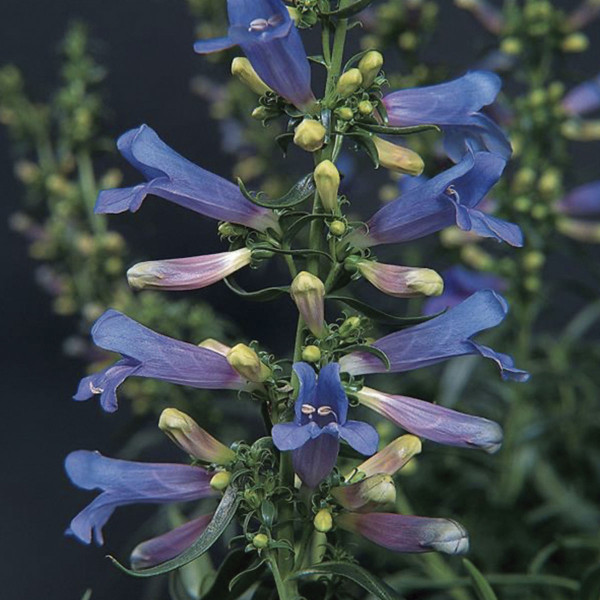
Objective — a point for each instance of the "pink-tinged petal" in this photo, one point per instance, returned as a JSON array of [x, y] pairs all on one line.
[[401, 282]]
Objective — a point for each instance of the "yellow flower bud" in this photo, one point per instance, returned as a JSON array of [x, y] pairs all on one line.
[[247, 363], [308, 292], [398, 158], [534, 260], [337, 228], [349, 82], [369, 66], [345, 113], [260, 541], [575, 42], [215, 346], [366, 494], [260, 113], [327, 179], [365, 108], [220, 480], [582, 231], [511, 46], [311, 354], [310, 135], [244, 71], [323, 521]]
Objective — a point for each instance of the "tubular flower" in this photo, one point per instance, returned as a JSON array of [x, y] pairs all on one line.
[[320, 420], [174, 178], [123, 482], [191, 273], [367, 494], [402, 533], [433, 422], [439, 339], [584, 98], [454, 106], [268, 37], [450, 198], [146, 353], [582, 202], [459, 284]]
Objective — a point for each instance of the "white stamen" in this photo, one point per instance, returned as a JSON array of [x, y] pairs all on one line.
[[258, 25], [307, 409], [324, 411], [95, 390]]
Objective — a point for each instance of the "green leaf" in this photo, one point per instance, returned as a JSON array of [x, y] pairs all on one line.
[[283, 141], [224, 514], [480, 585], [263, 295], [293, 229], [398, 130], [356, 58], [590, 585], [236, 562], [246, 578], [382, 356], [348, 11], [379, 315], [318, 59], [365, 140], [355, 573], [300, 192]]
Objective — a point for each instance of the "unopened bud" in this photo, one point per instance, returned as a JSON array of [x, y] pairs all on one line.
[[220, 481], [311, 354], [398, 158], [308, 292], [534, 260], [323, 521], [294, 14], [511, 46], [327, 180], [522, 204], [575, 42], [401, 282], [365, 108], [369, 66], [477, 258], [260, 541], [349, 82], [310, 135], [378, 489], [244, 71], [348, 327], [337, 228], [550, 181], [345, 113], [248, 364], [260, 113], [191, 438], [582, 231]]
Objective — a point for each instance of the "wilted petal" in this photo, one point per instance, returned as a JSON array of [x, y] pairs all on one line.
[[439, 339], [315, 459], [150, 354], [434, 422], [402, 533], [174, 178], [169, 545], [583, 201], [123, 482]]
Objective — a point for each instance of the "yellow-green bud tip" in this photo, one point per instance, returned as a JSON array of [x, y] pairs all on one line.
[[425, 281], [311, 354], [327, 180], [323, 521], [398, 158], [220, 480], [260, 541], [248, 364], [337, 228], [370, 65], [349, 82], [244, 71], [575, 42], [310, 135]]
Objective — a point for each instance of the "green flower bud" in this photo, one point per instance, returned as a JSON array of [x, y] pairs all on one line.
[[575, 42], [582, 231], [310, 135], [337, 228], [534, 260], [365, 108], [540, 211], [308, 292], [244, 71], [369, 66], [524, 178], [260, 541], [323, 521], [247, 363], [511, 46], [345, 113], [349, 326], [477, 258], [260, 113], [327, 179], [398, 158], [550, 181], [311, 354], [220, 480], [408, 40], [349, 82]]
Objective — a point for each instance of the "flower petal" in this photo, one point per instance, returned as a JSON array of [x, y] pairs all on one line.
[[331, 393], [583, 201], [290, 436], [315, 460], [361, 436]]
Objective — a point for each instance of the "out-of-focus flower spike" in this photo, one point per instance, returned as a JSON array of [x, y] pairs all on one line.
[[389, 460], [581, 131], [248, 364], [308, 292], [310, 135], [402, 533], [215, 346], [583, 201], [582, 231], [434, 422], [366, 495], [327, 180], [584, 98], [169, 545], [489, 16], [398, 158], [193, 273], [369, 66], [584, 14], [401, 282], [242, 69], [191, 438]]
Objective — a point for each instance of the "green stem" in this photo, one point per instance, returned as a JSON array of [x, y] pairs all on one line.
[[283, 588]]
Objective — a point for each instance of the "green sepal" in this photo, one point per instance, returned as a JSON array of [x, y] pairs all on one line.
[[355, 59], [348, 11], [268, 512], [355, 573], [385, 130], [480, 584], [224, 514], [381, 316], [236, 562], [263, 295], [301, 191], [382, 356], [283, 141], [318, 59]]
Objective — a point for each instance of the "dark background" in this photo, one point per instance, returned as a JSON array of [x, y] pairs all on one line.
[[147, 47]]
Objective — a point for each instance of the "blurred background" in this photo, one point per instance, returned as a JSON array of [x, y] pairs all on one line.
[[146, 48]]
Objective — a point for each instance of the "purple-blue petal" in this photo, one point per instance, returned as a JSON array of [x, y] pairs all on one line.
[[331, 393], [290, 436], [438, 339], [174, 178], [505, 363], [315, 460], [150, 354], [361, 436], [307, 379], [583, 201], [124, 482], [583, 99]]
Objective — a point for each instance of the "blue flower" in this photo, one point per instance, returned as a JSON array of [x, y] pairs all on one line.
[[584, 98], [459, 284], [449, 198], [174, 178], [583, 201], [439, 339], [454, 106], [123, 482], [321, 412], [146, 353], [268, 37]]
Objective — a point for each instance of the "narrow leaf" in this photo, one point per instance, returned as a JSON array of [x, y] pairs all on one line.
[[480, 585], [382, 356], [365, 140], [263, 295], [302, 190], [246, 578], [398, 130], [355, 573], [224, 514]]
